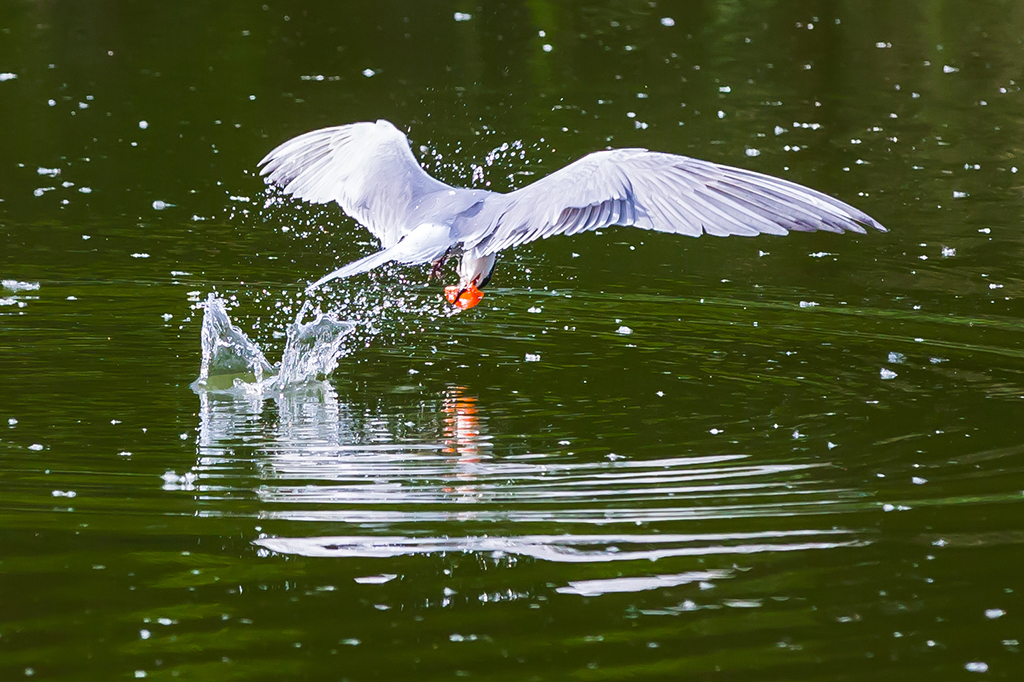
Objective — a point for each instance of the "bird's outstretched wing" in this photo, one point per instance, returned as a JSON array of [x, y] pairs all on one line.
[[663, 192], [368, 168]]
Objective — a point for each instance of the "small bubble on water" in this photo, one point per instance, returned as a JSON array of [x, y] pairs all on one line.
[[992, 614], [896, 358], [668, 21], [143, 125], [463, 16], [976, 666], [35, 447], [887, 373]]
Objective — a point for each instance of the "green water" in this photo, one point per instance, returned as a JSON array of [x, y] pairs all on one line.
[[642, 456]]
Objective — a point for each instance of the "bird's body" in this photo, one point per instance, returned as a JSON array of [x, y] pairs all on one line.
[[370, 171]]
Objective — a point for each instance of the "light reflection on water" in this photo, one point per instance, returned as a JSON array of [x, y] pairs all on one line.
[[393, 481], [910, 110]]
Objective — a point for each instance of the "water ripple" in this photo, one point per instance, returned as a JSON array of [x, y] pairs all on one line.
[[567, 548], [425, 478]]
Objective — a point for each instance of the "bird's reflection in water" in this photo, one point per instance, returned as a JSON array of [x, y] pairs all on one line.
[[310, 414], [463, 426], [309, 434], [464, 439], [379, 473]]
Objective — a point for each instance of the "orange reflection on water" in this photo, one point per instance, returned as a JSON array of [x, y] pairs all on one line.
[[464, 435]]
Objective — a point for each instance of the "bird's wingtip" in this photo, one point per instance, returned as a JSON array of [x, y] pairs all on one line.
[[324, 280], [868, 221]]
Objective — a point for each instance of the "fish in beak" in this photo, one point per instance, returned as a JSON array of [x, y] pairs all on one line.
[[463, 299]]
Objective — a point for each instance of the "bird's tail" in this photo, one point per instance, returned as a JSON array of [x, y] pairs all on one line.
[[356, 267]]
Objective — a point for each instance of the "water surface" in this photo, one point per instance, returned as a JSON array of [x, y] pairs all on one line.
[[641, 456]]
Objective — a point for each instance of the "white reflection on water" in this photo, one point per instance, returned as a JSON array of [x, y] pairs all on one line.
[[594, 588], [403, 475], [566, 548]]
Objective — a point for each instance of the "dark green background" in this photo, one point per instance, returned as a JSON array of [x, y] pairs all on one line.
[[810, 519]]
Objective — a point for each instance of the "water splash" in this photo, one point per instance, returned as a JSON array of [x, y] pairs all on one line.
[[313, 349], [231, 361], [228, 354]]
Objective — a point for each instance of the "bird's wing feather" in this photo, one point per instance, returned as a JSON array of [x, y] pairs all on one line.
[[426, 243], [663, 192], [368, 168], [365, 264]]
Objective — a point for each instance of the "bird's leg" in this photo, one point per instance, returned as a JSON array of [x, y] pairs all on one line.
[[435, 270]]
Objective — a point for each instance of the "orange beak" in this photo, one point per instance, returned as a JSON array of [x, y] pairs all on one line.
[[465, 299]]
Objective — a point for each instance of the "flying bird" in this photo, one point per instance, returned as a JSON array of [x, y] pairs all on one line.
[[370, 171]]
